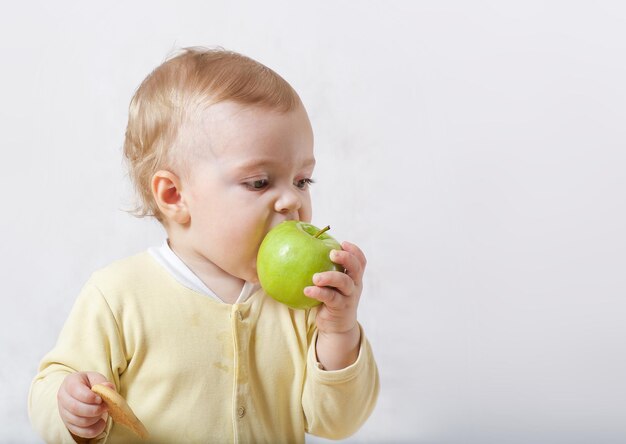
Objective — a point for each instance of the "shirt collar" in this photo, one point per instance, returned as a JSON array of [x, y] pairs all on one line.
[[165, 256]]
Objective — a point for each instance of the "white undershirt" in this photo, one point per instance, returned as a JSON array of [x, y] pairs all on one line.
[[183, 274]]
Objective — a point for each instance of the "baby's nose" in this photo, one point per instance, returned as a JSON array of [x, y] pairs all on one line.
[[288, 203]]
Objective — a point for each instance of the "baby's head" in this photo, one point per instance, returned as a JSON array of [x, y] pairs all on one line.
[[220, 150], [171, 99]]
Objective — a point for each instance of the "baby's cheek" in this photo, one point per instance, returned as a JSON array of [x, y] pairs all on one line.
[[305, 215]]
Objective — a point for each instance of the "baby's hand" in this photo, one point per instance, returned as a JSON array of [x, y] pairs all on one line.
[[340, 292], [82, 411]]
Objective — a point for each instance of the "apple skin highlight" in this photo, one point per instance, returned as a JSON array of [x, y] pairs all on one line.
[[289, 256]]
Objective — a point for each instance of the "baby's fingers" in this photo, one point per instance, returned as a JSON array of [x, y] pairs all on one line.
[[357, 252], [350, 263], [79, 408], [81, 390], [333, 288], [89, 431], [328, 296], [76, 397], [80, 421], [335, 279]]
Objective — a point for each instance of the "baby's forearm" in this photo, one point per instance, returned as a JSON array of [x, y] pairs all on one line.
[[338, 350]]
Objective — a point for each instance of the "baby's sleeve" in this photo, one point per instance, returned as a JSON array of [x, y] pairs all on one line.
[[337, 403], [89, 341]]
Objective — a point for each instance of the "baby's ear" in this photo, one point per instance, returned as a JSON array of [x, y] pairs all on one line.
[[166, 189]]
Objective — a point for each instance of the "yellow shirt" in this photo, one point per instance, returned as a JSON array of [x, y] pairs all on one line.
[[194, 369]]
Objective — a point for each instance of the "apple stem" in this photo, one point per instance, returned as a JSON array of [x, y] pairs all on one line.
[[322, 231]]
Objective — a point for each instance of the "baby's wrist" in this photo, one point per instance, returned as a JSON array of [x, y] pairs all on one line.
[[337, 350], [339, 333]]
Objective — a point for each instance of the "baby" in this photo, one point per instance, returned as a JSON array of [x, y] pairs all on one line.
[[220, 149]]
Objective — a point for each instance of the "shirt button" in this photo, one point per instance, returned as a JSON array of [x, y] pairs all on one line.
[[241, 412], [239, 315]]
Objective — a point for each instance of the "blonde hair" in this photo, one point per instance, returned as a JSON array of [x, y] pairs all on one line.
[[190, 79]]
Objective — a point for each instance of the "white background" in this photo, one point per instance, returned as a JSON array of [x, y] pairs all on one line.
[[474, 149]]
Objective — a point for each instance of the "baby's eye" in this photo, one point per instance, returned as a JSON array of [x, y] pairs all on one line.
[[304, 183], [258, 184]]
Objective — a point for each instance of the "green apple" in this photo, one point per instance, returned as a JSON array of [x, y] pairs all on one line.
[[290, 254]]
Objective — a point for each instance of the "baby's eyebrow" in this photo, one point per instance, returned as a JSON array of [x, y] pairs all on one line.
[[253, 164], [267, 162]]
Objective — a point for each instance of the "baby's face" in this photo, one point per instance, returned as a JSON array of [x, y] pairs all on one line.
[[255, 174]]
